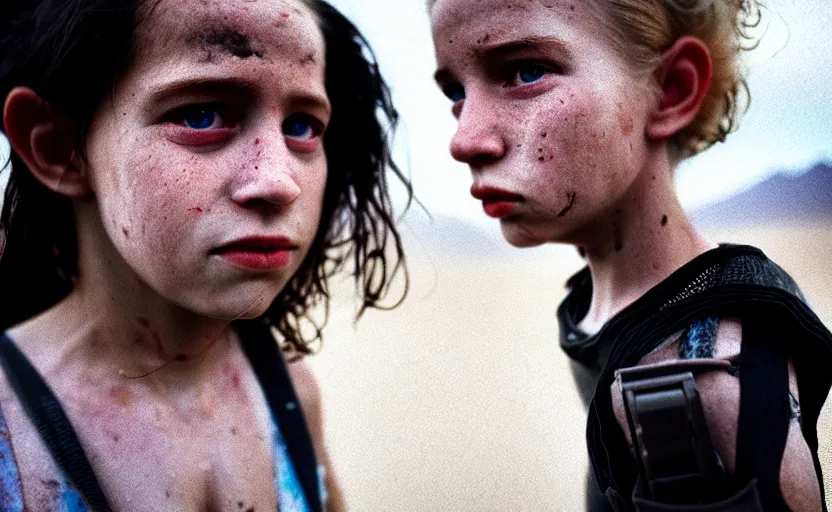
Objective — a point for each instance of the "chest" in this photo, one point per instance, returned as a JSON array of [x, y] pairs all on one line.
[[205, 453]]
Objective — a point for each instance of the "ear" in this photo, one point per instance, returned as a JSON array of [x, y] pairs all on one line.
[[44, 139], [684, 76]]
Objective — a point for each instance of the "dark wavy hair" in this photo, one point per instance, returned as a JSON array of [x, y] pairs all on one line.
[[71, 52]]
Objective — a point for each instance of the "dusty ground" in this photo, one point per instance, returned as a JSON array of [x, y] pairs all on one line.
[[461, 400]]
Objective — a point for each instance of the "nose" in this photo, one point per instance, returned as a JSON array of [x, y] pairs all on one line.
[[269, 180], [477, 139]]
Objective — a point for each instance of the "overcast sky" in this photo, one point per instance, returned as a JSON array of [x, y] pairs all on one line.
[[789, 124]]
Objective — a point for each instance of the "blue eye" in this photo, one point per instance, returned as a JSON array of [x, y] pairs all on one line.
[[298, 127], [454, 92], [530, 73], [200, 118]]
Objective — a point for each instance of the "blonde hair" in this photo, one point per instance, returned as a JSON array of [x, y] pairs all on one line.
[[640, 31]]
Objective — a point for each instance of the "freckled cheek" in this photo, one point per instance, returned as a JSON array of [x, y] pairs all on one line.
[[313, 186], [557, 135], [566, 148], [153, 208]]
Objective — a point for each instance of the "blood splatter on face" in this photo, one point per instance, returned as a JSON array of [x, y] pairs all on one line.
[[199, 153], [547, 111]]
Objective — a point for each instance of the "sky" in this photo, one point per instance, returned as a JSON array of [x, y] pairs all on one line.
[[788, 125]]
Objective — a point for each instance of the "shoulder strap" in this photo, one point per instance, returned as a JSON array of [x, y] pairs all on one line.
[[54, 428], [764, 410], [674, 452], [262, 351]]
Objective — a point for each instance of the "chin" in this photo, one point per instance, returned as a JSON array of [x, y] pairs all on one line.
[[240, 306], [521, 237]]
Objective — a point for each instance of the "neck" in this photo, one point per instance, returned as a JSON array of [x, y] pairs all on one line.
[[643, 239], [119, 325]]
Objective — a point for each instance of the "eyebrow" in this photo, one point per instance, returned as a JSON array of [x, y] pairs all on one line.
[[229, 86], [225, 85], [503, 49], [518, 45]]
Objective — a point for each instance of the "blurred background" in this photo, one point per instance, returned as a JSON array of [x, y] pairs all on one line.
[[460, 399]]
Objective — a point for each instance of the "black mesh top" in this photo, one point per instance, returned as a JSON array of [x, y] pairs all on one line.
[[729, 280]]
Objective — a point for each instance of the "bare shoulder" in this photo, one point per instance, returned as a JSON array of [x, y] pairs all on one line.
[[719, 392], [309, 393], [24, 457], [308, 390]]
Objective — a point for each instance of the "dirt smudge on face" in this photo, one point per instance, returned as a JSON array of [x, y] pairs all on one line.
[[227, 41], [570, 197]]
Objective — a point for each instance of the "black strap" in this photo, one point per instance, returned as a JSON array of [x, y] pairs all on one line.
[[764, 411], [673, 446], [746, 500], [263, 353], [54, 428]]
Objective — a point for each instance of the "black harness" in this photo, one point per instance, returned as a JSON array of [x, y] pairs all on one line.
[[675, 464]]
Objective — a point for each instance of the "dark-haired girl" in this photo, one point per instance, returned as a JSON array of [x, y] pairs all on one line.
[[186, 175], [705, 368]]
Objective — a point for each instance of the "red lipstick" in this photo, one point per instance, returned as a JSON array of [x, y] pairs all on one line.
[[497, 203], [258, 252]]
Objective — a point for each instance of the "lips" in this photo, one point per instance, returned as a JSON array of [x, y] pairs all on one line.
[[260, 243], [497, 203], [258, 252], [484, 193]]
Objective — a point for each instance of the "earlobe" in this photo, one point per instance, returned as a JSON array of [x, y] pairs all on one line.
[[45, 140], [684, 77]]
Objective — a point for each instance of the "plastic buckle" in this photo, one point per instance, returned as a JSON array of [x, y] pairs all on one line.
[[671, 438]]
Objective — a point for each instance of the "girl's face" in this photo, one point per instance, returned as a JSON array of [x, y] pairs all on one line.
[[551, 120], [207, 166]]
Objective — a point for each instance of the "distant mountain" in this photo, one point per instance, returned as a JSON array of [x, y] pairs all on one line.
[[803, 196]]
